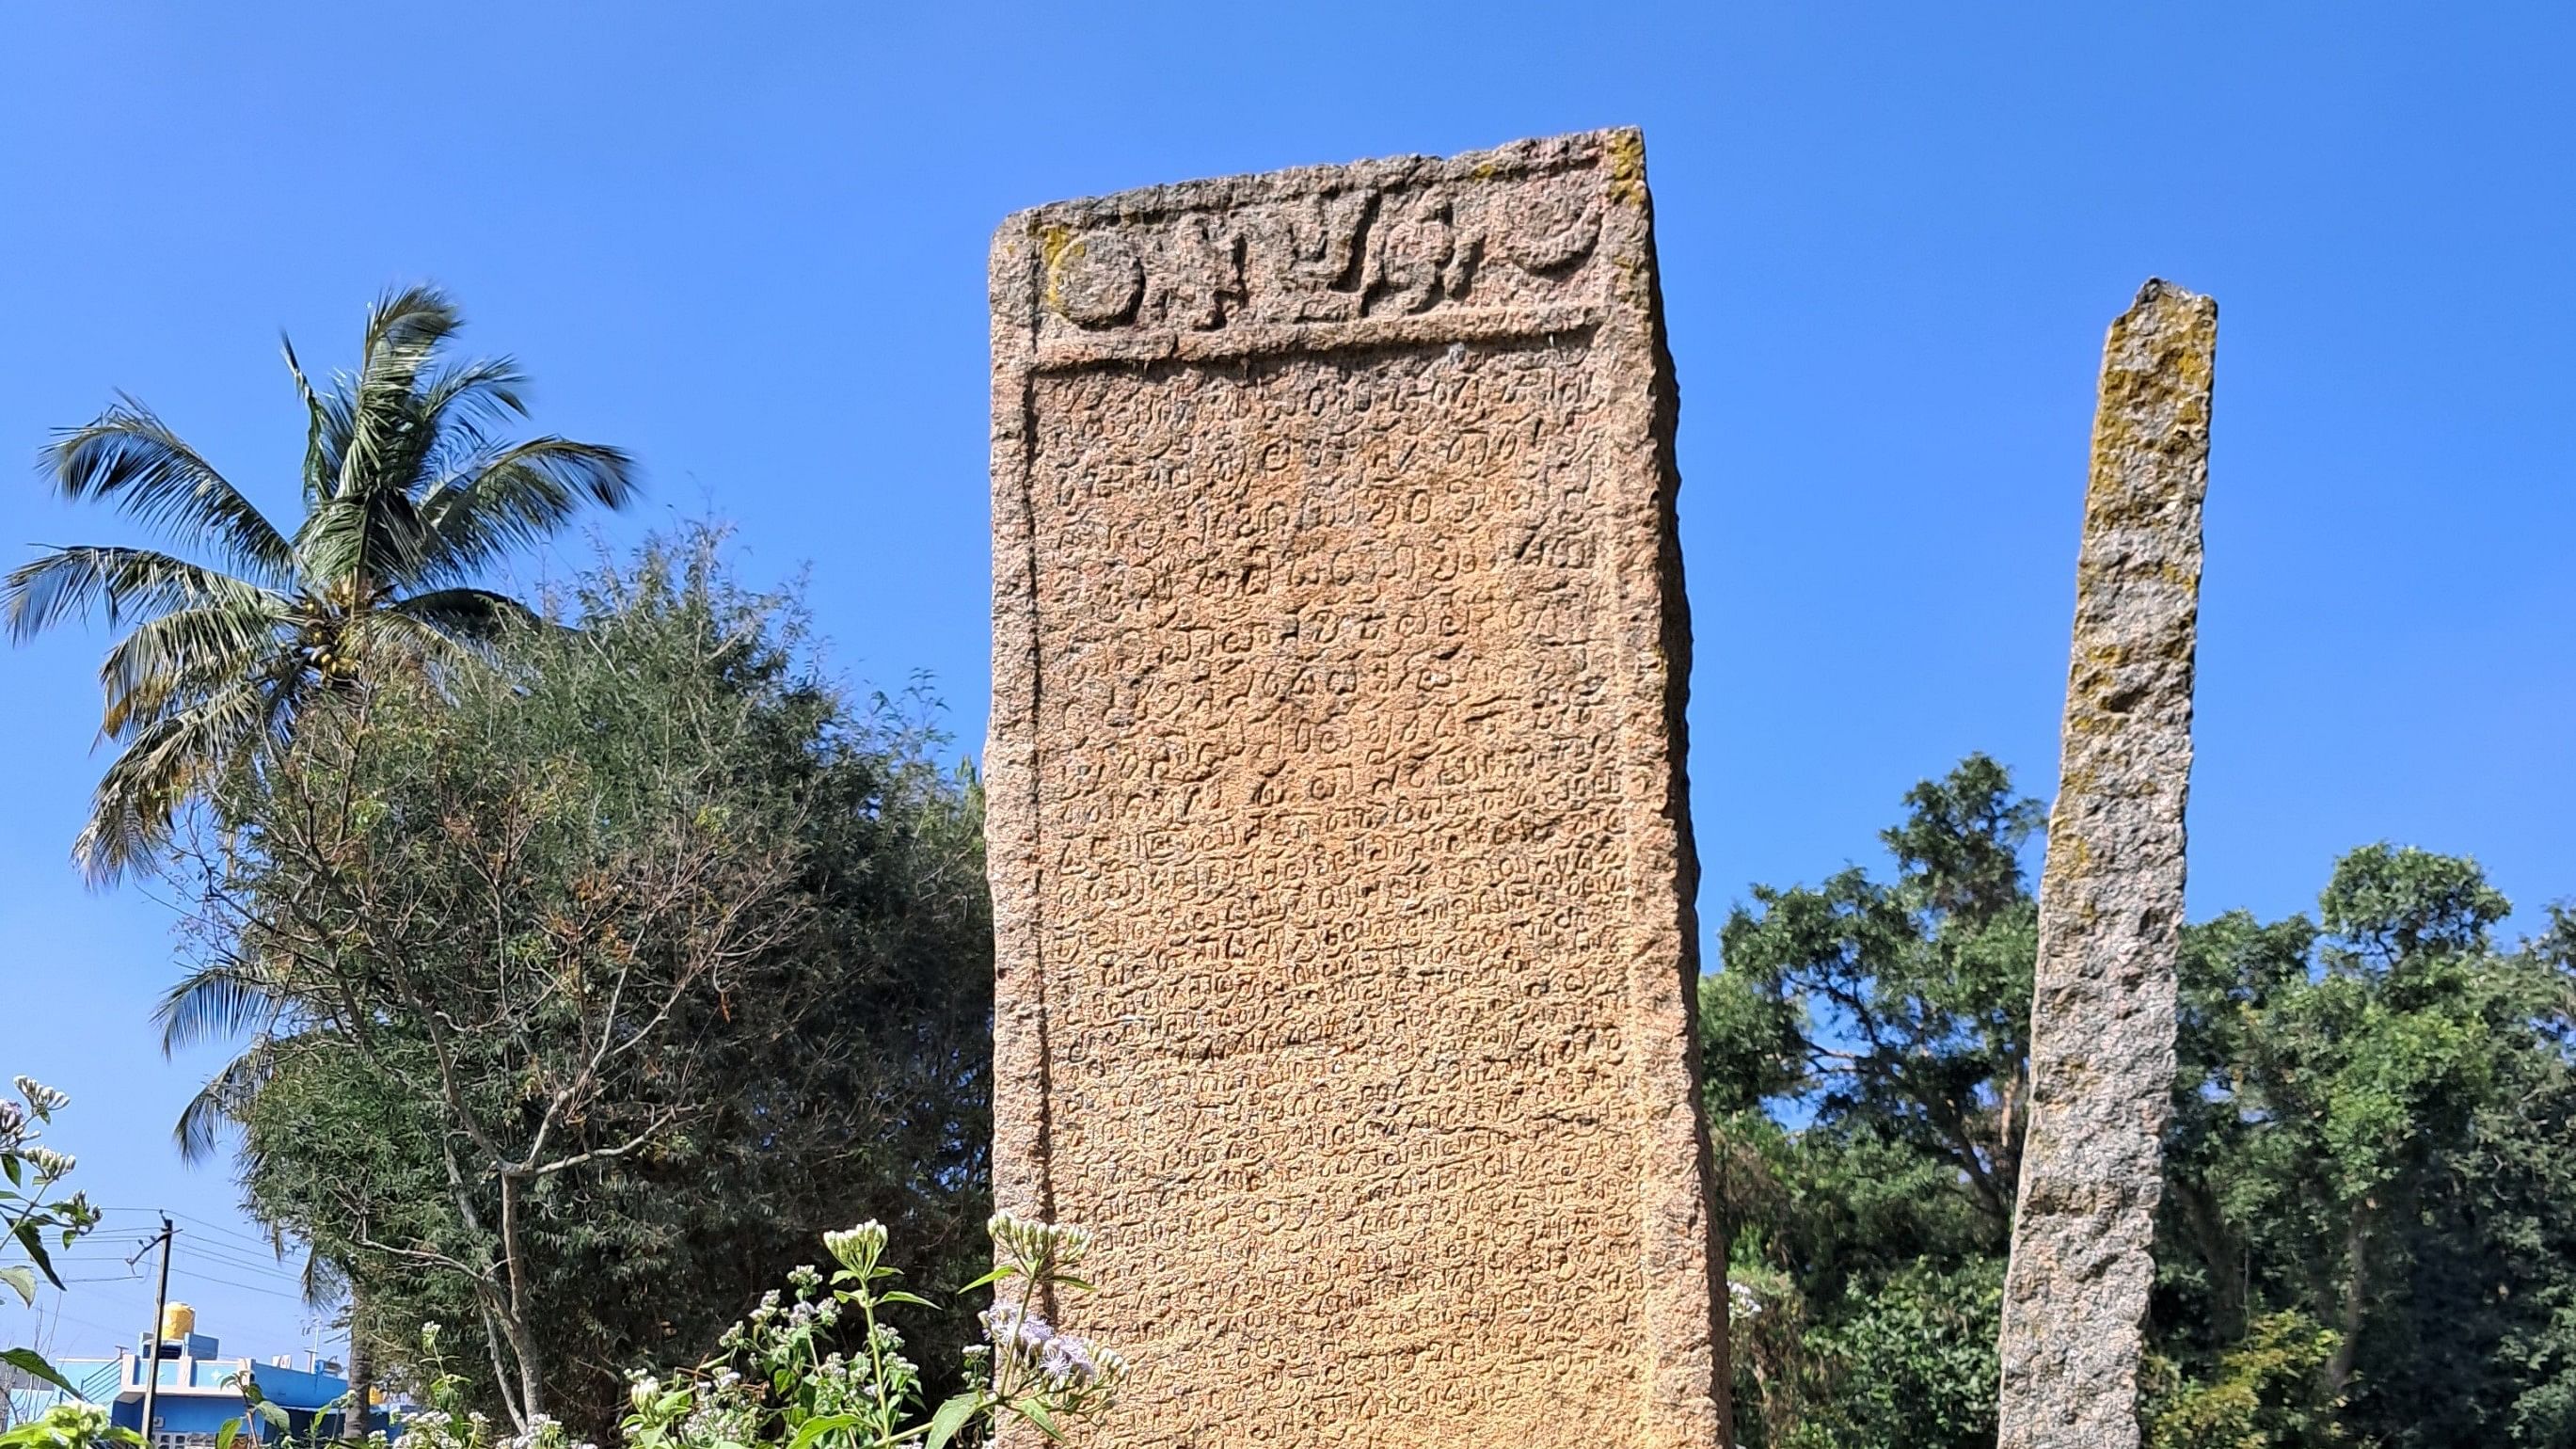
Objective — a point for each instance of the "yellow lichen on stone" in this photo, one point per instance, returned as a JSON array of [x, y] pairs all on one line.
[[1058, 245], [1627, 152], [2079, 856]]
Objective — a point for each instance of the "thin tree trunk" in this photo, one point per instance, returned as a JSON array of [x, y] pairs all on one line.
[[513, 1314], [2219, 1255], [2356, 1252], [495, 1339], [506, 1329], [361, 1416], [532, 1385]]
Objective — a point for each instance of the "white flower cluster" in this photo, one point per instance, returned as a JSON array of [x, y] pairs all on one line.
[[1035, 1243], [44, 1101], [18, 1124], [815, 1366], [51, 1166], [542, 1433], [858, 1249], [1741, 1300]]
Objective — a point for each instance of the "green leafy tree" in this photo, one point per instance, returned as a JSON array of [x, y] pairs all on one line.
[[332, 1160], [1889, 1022], [2375, 1134], [2368, 1227], [590, 987], [2261, 1392], [412, 490]]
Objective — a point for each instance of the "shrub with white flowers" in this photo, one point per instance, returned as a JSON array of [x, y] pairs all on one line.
[[33, 1170], [816, 1368], [444, 1419], [29, 1218], [813, 1367], [73, 1425]]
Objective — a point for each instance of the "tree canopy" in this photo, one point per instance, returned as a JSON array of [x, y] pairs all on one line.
[[413, 490], [583, 991], [2368, 1232]]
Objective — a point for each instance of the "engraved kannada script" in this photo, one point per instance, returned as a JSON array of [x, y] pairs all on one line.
[[1333, 882], [1340, 866]]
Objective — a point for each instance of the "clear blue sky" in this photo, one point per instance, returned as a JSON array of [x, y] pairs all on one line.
[[748, 243]]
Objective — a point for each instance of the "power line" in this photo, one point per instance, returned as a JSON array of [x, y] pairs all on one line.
[[230, 1232], [244, 1287], [227, 1258], [253, 1265], [200, 1275], [201, 1225], [58, 1316], [207, 1224]]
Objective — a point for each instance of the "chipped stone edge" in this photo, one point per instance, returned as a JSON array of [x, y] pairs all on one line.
[[1684, 1292]]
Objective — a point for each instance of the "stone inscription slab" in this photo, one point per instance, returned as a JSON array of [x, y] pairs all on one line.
[[1338, 839], [2111, 897]]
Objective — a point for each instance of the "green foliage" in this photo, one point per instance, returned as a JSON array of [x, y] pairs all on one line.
[[1914, 1364], [2262, 1393], [1897, 1012], [409, 494], [70, 1426], [805, 1374], [29, 1214], [2375, 1127], [582, 991], [1865, 1047], [2368, 1232]]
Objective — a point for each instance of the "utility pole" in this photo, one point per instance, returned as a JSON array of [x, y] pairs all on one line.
[[160, 1304]]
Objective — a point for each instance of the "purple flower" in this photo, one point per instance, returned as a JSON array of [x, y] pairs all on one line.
[[1068, 1360]]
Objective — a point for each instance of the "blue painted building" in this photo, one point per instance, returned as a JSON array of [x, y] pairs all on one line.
[[199, 1388]]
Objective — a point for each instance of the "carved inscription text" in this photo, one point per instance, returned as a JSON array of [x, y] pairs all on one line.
[[1336, 827]]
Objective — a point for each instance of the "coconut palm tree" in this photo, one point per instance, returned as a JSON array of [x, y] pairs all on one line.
[[412, 490]]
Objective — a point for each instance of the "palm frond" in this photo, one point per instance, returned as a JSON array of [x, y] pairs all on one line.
[[410, 319], [517, 496], [119, 582], [388, 436], [187, 653], [464, 407], [170, 759], [394, 634], [220, 1001], [357, 547], [199, 1130], [322, 1280], [326, 433], [464, 613], [487, 389], [131, 457]]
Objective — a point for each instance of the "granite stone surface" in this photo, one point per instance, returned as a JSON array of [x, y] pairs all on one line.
[[1341, 861], [2111, 897]]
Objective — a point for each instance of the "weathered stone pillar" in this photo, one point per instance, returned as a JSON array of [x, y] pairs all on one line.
[[1340, 851], [2110, 900]]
